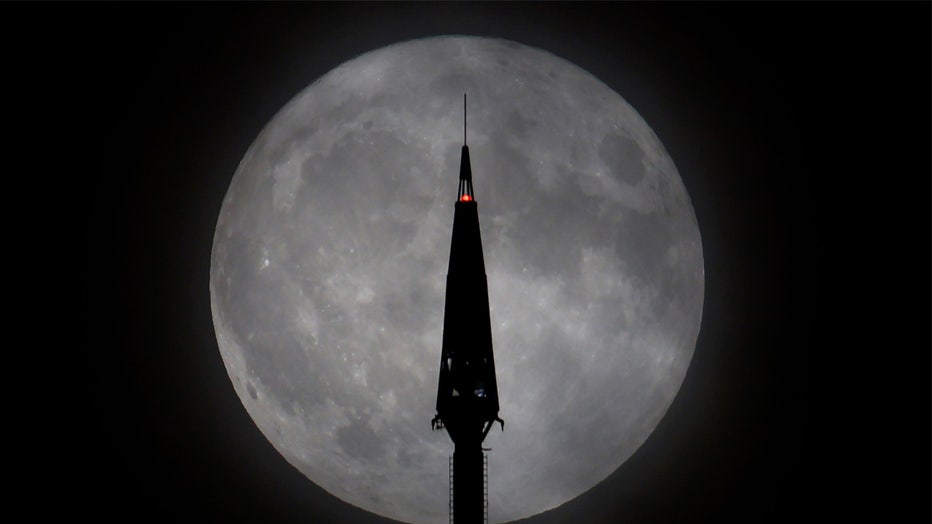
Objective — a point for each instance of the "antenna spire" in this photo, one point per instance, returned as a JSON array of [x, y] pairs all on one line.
[[465, 188]]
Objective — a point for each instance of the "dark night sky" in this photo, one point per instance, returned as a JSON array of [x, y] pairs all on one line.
[[801, 131]]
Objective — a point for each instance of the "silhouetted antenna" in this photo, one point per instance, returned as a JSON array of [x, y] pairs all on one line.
[[467, 388]]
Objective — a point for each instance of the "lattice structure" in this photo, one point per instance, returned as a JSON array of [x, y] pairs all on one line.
[[451, 489], [485, 488]]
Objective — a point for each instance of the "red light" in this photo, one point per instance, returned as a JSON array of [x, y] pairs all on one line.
[[465, 198]]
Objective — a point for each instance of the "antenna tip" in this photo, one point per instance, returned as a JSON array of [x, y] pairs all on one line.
[[464, 119]]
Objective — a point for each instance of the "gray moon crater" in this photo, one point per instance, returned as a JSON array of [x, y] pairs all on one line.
[[329, 264]]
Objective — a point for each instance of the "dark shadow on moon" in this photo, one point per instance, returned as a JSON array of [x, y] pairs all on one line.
[[360, 441], [642, 243], [623, 157], [519, 125]]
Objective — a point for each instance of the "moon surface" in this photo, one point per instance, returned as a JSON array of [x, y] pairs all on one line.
[[329, 262]]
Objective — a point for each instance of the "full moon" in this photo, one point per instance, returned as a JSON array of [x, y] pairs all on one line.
[[329, 262]]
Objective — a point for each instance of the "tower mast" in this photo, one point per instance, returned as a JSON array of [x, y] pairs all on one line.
[[467, 391]]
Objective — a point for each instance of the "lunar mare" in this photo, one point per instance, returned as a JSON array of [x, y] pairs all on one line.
[[329, 265]]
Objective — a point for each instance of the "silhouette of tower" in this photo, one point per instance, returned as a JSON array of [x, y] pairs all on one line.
[[467, 392]]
